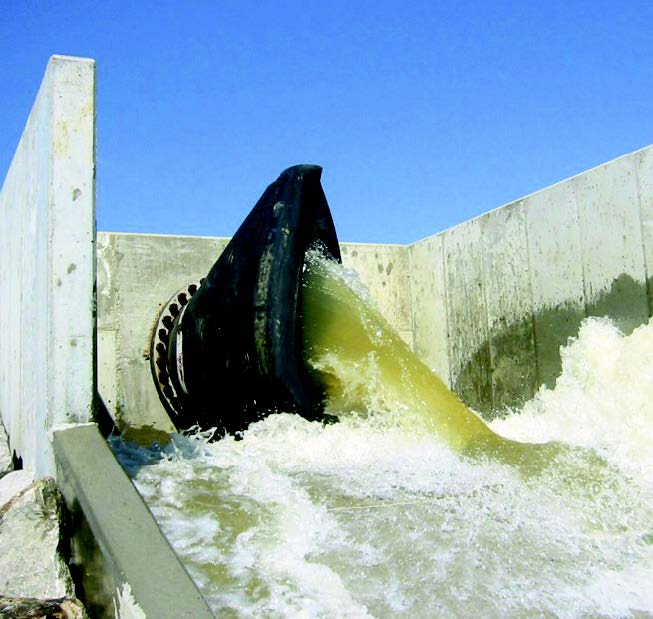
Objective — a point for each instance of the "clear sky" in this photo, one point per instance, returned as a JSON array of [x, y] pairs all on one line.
[[423, 114]]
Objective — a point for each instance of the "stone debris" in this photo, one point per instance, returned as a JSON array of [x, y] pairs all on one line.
[[6, 462], [31, 540], [14, 483], [32, 608]]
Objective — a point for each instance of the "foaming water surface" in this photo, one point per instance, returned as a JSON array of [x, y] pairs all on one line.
[[373, 516]]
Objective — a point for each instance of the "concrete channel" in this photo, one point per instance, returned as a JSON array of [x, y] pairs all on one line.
[[486, 304]]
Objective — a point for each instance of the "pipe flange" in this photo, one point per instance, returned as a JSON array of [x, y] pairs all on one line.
[[159, 348]]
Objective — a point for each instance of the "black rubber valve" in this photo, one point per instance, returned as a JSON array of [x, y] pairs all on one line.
[[233, 353]]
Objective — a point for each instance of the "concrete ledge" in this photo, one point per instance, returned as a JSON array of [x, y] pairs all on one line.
[[116, 541]]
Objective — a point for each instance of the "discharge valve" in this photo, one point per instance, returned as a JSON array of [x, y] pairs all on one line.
[[227, 349]]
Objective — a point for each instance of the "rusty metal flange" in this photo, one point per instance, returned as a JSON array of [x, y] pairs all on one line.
[[159, 348]]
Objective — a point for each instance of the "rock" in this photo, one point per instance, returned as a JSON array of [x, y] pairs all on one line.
[[31, 564], [13, 483], [32, 608], [6, 462]]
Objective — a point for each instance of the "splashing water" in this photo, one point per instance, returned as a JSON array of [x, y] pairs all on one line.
[[396, 510]]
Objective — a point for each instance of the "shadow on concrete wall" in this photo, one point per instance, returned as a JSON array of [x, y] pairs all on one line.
[[507, 370]]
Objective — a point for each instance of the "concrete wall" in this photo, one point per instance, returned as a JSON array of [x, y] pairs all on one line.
[[138, 273], [47, 236], [494, 298], [486, 304]]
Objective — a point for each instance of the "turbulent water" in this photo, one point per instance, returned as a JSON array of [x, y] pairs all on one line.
[[392, 511]]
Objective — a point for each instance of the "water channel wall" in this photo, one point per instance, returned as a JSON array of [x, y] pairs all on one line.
[[47, 279], [48, 389], [494, 298], [486, 304], [128, 308]]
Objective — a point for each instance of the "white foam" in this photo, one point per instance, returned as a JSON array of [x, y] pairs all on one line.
[[603, 399], [355, 519]]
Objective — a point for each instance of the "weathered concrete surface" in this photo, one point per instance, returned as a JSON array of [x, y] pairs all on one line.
[[6, 460], [556, 274], [115, 540], [128, 309], [32, 542], [468, 343], [384, 269], [47, 234], [519, 280], [508, 299], [429, 305], [645, 190], [610, 227], [137, 274]]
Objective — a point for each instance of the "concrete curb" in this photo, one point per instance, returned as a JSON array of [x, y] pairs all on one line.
[[116, 544]]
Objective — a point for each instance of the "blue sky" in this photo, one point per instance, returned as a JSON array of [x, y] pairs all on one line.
[[423, 114]]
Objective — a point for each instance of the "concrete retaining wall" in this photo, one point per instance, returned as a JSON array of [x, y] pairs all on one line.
[[494, 298], [486, 304], [138, 273], [47, 236]]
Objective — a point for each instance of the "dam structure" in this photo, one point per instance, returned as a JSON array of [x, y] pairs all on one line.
[[486, 305]]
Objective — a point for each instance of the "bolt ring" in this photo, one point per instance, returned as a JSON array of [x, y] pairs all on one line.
[[159, 347]]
